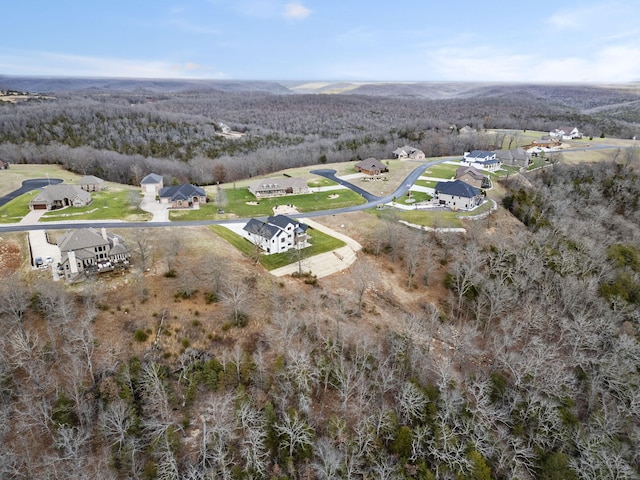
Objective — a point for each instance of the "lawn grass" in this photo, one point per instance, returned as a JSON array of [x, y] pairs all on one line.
[[240, 204], [320, 243], [321, 182], [434, 218], [442, 170], [17, 208], [106, 205], [426, 183], [415, 196]]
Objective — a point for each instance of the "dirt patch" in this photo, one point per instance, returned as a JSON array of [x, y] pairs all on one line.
[[10, 257], [284, 210], [331, 197]]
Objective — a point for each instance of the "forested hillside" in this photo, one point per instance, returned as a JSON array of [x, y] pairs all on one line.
[[179, 132], [510, 353]]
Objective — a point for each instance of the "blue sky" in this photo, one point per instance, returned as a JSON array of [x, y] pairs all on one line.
[[329, 40]]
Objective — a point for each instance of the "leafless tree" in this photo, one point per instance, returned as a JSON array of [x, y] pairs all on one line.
[[234, 296]]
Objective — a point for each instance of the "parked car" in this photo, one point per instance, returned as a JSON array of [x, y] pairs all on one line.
[[38, 261]]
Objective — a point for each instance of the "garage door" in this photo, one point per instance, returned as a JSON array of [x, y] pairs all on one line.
[[39, 206]]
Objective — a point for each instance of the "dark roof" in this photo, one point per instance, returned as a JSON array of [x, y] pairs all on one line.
[[457, 188], [263, 229], [480, 154], [182, 192], [282, 221], [151, 178]]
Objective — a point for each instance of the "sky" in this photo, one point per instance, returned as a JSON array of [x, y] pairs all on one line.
[[588, 41]]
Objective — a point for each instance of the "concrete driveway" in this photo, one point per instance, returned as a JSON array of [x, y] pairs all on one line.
[[159, 211], [321, 265]]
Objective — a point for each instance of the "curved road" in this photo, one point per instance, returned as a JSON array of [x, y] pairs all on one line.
[[371, 202], [27, 186]]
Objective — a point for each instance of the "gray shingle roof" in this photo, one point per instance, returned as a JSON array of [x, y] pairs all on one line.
[[81, 238], [182, 192], [90, 180], [60, 191], [263, 229], [457, 188], [151, 178]]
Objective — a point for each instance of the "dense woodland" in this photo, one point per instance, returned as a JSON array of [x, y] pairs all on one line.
[[509, 352], [178, 134]]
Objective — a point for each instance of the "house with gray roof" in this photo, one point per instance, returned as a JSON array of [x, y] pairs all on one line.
[[277, 234], [89, 250], [277, 187], [481, 159], [515, 157], [152, 183], [408, 152], [59, 196], [90, 183], [371, 166], [458, 195], [473, 177], [183, 196]]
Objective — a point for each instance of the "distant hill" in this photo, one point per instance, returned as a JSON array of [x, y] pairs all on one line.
[[72, 84], [619, 100]]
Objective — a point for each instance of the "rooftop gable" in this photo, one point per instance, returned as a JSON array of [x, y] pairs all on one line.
[[457, 188], [152, 178]]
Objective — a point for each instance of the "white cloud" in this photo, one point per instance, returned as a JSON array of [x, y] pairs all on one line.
[[296, 11], [611, 64], [58, 64]]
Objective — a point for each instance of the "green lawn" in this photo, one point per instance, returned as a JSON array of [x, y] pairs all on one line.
[[106, 205], [17, 208], [441, 170], [415, 196], [426, 183], [320, 243], [241, 203], [321, 182], [431, 218]]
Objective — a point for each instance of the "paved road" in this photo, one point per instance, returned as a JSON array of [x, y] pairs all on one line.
[[27, 186], [372, 201]]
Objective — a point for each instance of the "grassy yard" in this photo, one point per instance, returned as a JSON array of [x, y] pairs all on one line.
[[17, 208], [242, 204], [416, 197], [320, 243], [106, 205], [442, 170], [320, 182], [431, 217], [426, 183]]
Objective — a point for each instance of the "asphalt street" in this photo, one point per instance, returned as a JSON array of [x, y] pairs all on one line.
[[372, 201]]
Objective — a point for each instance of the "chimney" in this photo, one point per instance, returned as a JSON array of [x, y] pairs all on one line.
[[73, 263]]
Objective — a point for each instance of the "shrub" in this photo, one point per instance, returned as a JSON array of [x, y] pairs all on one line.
[[140, 335], [210, 297]]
